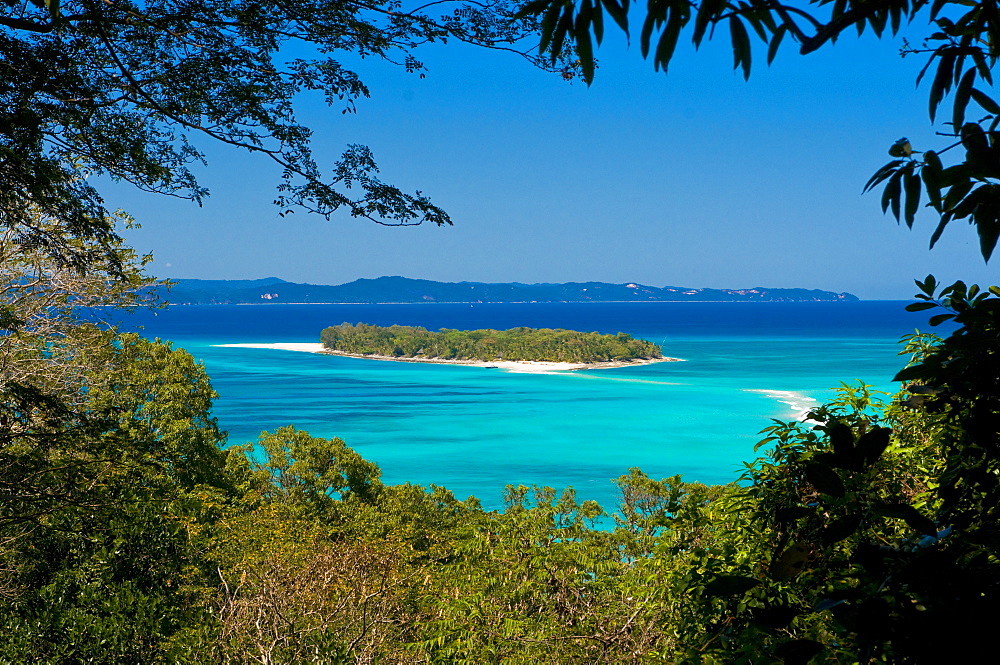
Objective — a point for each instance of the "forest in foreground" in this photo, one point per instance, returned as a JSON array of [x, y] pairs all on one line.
[[535, 344], [130, 531]]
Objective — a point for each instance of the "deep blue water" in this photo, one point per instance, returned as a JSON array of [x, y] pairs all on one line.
[[474, 430]]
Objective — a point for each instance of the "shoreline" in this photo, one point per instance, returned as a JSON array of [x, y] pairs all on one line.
[[518, 366]]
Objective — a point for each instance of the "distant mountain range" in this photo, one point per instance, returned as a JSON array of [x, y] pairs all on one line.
[[405, 290]]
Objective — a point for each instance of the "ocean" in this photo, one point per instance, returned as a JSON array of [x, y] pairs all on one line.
[[475, 430]]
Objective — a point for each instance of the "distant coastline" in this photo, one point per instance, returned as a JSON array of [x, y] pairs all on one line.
[[403, 290], [517, 366]]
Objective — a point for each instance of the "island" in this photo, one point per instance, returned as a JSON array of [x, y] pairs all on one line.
[[388, 290], [524, 349]]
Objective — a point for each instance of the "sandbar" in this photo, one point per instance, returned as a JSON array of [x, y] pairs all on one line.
[[526, 366]]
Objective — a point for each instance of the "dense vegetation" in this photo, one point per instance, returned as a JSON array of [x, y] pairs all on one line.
[[129, 533], [543, 344]]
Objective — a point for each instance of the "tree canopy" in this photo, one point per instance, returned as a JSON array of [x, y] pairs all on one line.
[[127, 533], [133, 90], [961, 44], [539, 344]]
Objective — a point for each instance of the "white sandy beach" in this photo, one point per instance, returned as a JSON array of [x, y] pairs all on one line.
[[525, 366]]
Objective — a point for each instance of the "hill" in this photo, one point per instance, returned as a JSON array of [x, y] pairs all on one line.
[[405, 290]]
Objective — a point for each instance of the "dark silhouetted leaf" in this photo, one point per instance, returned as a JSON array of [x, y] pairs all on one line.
[[730, 585], [942, 79], [741, 45], [912, 373], [792, 513], [872, 444], [913, 517], [987, 102], [931, 175], [772, 47], [962, 94], [882, 174], [938, 319], [798, 652], [842, 439], [618, 13], [912, 188], [842, 528], [824, 479], [891, 194], [791, 562], [920, 306], [775, 616]]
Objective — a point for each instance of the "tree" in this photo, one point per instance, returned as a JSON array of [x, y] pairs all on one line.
[[874, 533], [50, 330], [103, 510], [962, 45], [130, 90]]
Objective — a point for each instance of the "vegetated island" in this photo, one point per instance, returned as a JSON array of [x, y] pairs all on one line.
[[272, 290], [518, 349]]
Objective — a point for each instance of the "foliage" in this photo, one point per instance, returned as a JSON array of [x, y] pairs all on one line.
[[133, 90], [101, 561], [866, 534], [860, 535], [515, 344], [961, 43]]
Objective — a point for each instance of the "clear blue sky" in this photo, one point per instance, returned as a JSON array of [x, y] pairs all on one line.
[[696, 178]]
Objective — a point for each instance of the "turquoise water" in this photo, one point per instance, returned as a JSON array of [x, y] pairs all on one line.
[[474, 430]]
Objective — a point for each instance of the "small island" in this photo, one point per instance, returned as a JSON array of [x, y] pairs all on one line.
[[519, 349]]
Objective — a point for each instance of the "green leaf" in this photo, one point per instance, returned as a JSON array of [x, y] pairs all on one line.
[[9, 319], [730, 585]]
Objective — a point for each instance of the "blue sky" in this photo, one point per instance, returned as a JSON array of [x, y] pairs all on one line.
[[696, 178]]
